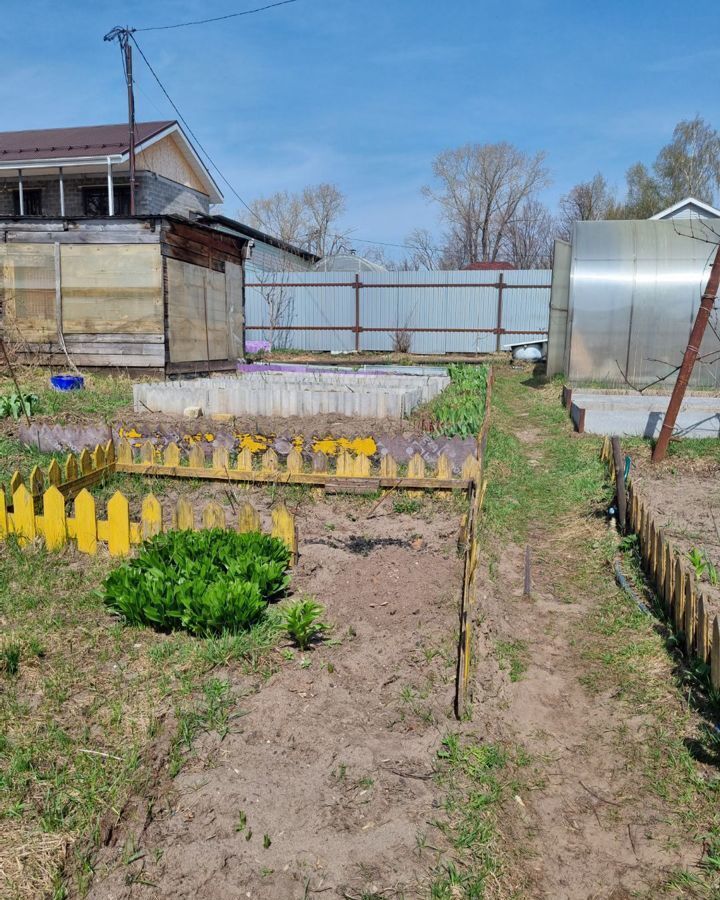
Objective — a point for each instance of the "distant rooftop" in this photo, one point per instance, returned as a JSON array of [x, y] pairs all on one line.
[[689, 208], [488, 266]]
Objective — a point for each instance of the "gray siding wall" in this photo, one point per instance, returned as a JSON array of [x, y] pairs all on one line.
[[155, 195]]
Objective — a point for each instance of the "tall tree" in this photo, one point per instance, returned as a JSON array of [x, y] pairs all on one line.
[[585, 202], [309, 219], [324, 205], [688, 166], [529, 241], [479, 188]]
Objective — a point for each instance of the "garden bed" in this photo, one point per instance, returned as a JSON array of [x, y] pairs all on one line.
[[327, 757], [683, 497]]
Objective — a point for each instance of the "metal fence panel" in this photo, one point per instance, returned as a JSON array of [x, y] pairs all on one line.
[[444, 307]]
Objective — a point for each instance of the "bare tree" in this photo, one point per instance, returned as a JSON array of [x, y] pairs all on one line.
[[282, 214], [424, 251], [480, 189], [324, 204], [308, 220], [529, 240], [585, 202], [279, 300]]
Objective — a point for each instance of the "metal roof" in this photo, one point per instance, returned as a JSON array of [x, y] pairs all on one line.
[[226, 223], [68, 143]]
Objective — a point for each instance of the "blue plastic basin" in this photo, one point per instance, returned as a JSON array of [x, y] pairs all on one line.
[[67, 382]]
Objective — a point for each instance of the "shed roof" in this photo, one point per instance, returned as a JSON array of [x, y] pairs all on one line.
[[232, 225]]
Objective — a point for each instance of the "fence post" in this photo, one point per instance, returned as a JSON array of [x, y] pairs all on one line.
[[500, 288], [357, 313]]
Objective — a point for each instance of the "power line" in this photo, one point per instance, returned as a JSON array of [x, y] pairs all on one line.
[[219, 171], [192, 133], [253, 213], [246, 12]]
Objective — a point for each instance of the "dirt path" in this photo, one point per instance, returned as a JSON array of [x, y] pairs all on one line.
[[592, 825]]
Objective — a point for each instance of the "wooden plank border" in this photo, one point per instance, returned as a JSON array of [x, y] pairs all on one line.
[[685, 605], [468, 597]]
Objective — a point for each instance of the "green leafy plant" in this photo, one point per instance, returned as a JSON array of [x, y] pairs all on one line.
[[302, 622], [458, 411], [17, 405], [700, 562], [207, 582]]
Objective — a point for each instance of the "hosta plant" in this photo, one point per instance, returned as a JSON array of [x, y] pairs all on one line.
[[302, 621], [17, 405], [207, 582]]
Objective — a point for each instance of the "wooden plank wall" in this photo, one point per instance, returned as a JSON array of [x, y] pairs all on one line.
[[109, 297], [103, 282], [204, 273], [686, 608]]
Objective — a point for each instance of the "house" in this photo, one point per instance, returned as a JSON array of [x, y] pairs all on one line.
[[689, 208], [72, 172]]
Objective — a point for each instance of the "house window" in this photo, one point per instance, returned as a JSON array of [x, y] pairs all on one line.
[[32, 202], [95, 201]]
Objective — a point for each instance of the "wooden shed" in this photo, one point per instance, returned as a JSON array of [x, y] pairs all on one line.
[[145, 292]]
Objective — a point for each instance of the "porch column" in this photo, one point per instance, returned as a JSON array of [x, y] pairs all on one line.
[[62, 193], [20, 193], [111, 199]]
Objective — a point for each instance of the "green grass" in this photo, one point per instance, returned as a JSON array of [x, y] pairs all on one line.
[[477, 779], [86, 700], [14, 455], [512, 657], [547, 485], [567, 475], [103, 397]]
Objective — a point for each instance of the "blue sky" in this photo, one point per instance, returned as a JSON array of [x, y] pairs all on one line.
[[364, 94]]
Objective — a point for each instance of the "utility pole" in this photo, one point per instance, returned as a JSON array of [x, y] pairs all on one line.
[[122, 35], [696, 335]]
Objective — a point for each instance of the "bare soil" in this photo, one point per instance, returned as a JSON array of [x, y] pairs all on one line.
[[684, 497], [331, 758]]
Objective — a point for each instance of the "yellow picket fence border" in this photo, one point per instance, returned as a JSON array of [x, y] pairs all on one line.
[[686, 607], [84, 527], [267, 467]]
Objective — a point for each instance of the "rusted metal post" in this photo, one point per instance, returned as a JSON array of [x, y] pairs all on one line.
[[620, 484], [696, 335], [500, 288], [357, 313]]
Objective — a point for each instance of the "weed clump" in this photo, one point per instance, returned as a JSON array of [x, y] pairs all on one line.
[[206, 582], [458, 411]]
